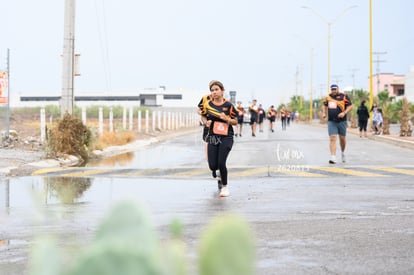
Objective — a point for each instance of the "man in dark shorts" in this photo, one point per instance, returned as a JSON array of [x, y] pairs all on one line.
[[253, 110], [271, 115], [261, 113], [336, 106], [240, 119]]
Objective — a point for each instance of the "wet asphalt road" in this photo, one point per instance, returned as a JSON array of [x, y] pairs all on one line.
[[308, 217]]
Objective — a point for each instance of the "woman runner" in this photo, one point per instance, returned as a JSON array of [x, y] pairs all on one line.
[[218, 115]]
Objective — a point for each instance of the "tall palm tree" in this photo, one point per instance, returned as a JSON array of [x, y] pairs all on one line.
[[405, 127]]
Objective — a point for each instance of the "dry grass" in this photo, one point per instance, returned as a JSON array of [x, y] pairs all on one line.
[[69, 136], [113, 138]]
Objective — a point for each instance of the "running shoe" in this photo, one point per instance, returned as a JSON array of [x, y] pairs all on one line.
[[219, 184], [332, 160], [343, 158], [224, 192]]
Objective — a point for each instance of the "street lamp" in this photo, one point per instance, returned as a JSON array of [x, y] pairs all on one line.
[[371, 95], [329, 23], [311, 84], [311, 79]]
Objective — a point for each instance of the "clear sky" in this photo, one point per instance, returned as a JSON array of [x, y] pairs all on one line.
[[259, 48]]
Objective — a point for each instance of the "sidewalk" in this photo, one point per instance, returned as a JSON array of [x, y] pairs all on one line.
[[393, 138]]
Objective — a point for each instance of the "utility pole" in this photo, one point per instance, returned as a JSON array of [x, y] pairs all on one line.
[[68, 59], [297, 80], [301, 87], [8, 96], [5, 93], [322, 88], [298, 83], [337, 78], [353, 77], [378, 61]]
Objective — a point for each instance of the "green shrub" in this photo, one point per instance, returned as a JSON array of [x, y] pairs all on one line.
[[227, 248], [126, 243]]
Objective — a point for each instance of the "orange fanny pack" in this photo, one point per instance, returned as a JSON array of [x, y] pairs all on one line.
[[220, 128]]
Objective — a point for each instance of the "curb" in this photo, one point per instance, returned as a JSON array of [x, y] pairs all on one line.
[[391, 139], [394, 140]]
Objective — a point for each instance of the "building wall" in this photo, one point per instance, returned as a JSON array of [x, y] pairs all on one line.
[[409, 85], [190, 98], [387, 82], [180, 98]]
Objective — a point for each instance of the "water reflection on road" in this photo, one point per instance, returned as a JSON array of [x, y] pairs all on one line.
[[86, 199], [84, 196], [27, 192], [161, 156], [72, 208]]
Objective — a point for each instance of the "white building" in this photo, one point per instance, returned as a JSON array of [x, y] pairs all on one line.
[[152, 97]]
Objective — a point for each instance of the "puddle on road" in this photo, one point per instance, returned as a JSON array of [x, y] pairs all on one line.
[[24, 192], [29, 192], [9, 244], [91, 197], [23, 196], [4, 243], [114, 161], [165, 155], [67, 190]]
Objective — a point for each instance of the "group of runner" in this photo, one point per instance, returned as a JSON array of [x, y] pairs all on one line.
[[258, 114], [218, 115]]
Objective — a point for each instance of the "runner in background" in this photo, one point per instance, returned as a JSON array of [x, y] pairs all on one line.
[[240, 118], [271, 115], [262, 115], [253, 110], [283, 117], [204, 136]]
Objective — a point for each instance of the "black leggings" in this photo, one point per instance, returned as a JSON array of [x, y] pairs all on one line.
[[218, 150], [363, 125], [283, 122]]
